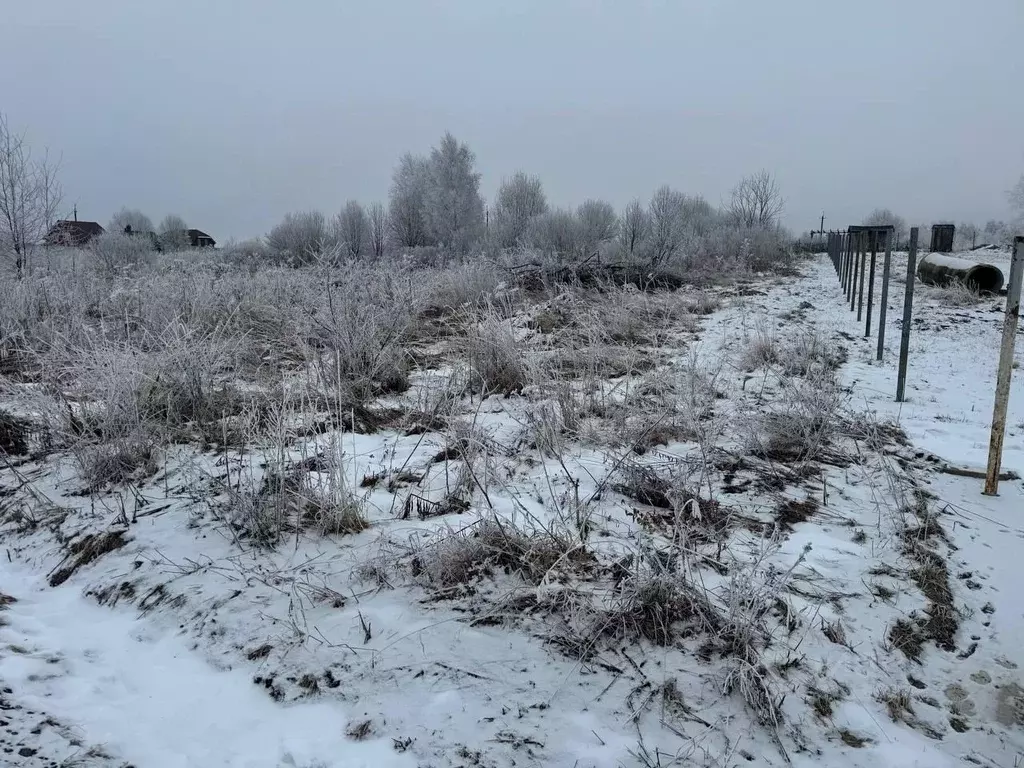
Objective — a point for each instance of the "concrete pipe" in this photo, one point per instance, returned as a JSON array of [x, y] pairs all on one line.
[[942, 269]]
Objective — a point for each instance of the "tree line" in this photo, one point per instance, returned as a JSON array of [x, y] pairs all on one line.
[[434, 203]]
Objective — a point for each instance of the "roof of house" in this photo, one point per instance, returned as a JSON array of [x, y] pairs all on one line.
[[198, 233], [75, 229]]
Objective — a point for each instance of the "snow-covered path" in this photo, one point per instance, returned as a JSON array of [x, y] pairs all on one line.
[[145, 699]]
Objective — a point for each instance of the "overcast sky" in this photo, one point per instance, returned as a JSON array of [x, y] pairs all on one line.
[[233, 113]]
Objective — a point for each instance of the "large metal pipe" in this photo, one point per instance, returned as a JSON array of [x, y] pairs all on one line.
[[940, 269]]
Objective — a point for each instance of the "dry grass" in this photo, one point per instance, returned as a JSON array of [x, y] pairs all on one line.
[[957, 294], [802, 423], [898, 703], [810, 355], [14, 434], [657, 605], [116, 461], [496, 356], [762, 351], [461, 557]]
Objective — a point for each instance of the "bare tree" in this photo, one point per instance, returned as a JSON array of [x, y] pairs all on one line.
[[697, 216], [1016, 199], [173, 233], [997, 232], [30, 195], [634, 227], [519, 201], [665, 224], [883, 217], [352, 229], [756, 201], [377, 219], [301, 237], [407, 201], [453, 210], [597, 225], [966, 235], [128, 217], [555, 233]]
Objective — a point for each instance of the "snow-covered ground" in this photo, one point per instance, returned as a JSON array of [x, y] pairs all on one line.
[[173, 644]]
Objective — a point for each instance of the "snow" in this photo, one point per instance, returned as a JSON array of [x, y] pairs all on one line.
[[169, 681], [143, 693]]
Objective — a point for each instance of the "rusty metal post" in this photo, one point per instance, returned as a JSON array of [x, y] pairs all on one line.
[[842, 260], [1003, 378], [871, 283], [844, 240], [842, 256], [884, 304], [853, 277], [849, 263], [863, 268], [908, 308]]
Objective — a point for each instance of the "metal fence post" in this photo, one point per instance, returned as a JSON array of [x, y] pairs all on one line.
[[844, 240], [1003, 378], [853, 276], [842, 258], [871, 283], [849, 263], [863, 268], [908, 308], [882, 309]]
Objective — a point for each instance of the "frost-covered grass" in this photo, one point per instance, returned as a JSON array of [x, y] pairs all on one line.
[[601, 525]]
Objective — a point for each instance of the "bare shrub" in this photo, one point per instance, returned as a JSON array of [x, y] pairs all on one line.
[[300, 237], [358, 332], [258, 505], [802, 422], [472, 284], [549, 426], [810, 355], [114, 252], [658, 605], [703, 303], [462, 557], [161, 391], [326, 498], [763, 350], [496, 357], [956, 294], [726, 249], [254, 252], [629, 316], [898, 703], [116, 461]]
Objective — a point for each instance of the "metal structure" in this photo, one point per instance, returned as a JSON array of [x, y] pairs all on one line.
[[942, 238]]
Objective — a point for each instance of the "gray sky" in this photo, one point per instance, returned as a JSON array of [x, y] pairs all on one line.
[[233, 113]]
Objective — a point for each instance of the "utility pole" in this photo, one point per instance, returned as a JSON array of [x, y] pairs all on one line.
[[822, 227]]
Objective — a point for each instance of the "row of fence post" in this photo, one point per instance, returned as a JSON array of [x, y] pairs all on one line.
[[854, 255]]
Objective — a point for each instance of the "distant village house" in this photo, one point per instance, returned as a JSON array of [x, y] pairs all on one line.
[[199, 239], [73, 234]]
